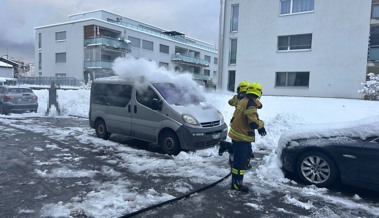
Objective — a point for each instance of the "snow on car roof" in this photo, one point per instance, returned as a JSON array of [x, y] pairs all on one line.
[[363, 128]]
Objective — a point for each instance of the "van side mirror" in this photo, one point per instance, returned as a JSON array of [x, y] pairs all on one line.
[[156, 104]]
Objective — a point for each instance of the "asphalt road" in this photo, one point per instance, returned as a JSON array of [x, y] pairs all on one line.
[[21, 185]]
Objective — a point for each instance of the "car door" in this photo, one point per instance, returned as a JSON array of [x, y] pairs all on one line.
[[146, 121], [369, 164], [118, 108]]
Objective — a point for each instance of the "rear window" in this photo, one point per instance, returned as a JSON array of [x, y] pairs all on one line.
[[19, 90]]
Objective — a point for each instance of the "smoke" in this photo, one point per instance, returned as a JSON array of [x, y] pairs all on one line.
[[142, 71]]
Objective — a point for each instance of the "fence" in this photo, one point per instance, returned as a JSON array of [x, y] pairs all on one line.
[[40, 80]]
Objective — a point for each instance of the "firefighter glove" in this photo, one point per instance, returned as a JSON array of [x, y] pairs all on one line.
[[262, 131]]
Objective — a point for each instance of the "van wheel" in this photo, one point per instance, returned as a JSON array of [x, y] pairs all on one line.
[[101, 130], [169, 143]]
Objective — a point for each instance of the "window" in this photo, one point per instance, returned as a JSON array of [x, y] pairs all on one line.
[[60, 57], [215, 60], [234, 18], [60, 75], [207, 72], [231, 80], [146, 96], [148, 45], [39, 40], [375, 11], [233, 51], [207, 58], [135, 42], [116, 95], [164, 48], [296, 6], [295, 42], [163, 64], [292, 79], [39, 61], [60, 36]]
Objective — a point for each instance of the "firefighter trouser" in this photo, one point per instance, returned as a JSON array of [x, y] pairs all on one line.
[[241, 152]]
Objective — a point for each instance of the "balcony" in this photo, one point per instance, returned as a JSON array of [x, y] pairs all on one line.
[[97, 65], [373, 54], [108, 42], [200, 76], [189, 60]]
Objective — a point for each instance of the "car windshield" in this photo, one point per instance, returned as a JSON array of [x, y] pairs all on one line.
[[179, 95]]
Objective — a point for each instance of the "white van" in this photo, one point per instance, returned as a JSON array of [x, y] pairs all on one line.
[[174, 117]]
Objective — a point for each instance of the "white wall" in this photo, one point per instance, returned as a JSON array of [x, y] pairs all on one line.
[[337, 61]]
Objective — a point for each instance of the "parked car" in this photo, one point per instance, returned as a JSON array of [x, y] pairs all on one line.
[[176, 118], [326, 154], [17, 99]]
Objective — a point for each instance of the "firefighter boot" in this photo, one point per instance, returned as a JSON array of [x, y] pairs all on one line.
[[238, 186]]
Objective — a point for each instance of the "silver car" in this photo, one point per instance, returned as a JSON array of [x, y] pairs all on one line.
[[17, 99], [176, 118]]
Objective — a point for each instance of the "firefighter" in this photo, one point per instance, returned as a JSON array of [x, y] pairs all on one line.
[[224, 145], [53, 98], [242, 132], [241, 90]]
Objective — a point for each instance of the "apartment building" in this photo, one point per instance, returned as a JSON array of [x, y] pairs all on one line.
[[316, 48], [86, 46]]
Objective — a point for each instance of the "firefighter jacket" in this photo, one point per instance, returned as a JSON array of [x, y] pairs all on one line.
[[246, 120], [233, 101]]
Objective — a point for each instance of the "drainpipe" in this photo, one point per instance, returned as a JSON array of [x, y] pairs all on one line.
[[221, 45]]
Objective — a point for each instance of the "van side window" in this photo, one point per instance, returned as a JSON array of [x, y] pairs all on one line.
[[117, 95], [146, 96]]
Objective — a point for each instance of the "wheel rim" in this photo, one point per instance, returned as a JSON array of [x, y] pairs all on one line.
[[100, 129], [169, 143], [315, 169]]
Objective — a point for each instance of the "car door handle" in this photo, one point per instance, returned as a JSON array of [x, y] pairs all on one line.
[[349, 156]]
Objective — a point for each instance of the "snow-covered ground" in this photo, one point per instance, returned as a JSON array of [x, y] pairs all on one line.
[[280, 114]]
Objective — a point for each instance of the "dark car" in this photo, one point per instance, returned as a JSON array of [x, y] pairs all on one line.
[[341, 153], [17, 99]]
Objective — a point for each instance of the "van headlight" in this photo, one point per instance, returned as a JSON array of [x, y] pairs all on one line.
[[189, 119]]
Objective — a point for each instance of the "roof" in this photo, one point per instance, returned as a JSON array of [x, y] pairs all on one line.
[[3, 64]]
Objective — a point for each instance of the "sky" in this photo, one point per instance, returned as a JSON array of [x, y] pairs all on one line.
[[198, 19], [280, 114]]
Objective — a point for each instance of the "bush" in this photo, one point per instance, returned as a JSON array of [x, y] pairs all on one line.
[[371, 88]]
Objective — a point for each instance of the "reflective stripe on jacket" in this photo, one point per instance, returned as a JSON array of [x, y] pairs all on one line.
[[246, 120]]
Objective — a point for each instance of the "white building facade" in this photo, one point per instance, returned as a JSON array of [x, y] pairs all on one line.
[[86, 46], [315, 48]]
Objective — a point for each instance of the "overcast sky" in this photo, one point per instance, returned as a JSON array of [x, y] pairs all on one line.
[[196, 18]]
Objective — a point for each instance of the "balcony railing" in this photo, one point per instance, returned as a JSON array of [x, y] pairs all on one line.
[[97, 64], [187, 41], [200, 76], [373, 54], [190, 60], [118, 44]]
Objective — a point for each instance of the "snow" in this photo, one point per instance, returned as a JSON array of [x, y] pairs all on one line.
[[285, 118]]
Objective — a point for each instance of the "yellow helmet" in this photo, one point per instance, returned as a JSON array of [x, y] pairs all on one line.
[[254, 88], [243, 86]]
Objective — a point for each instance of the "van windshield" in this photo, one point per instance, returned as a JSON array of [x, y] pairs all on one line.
[[179, 95]]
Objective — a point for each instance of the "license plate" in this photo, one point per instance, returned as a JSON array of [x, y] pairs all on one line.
[[216, 136]]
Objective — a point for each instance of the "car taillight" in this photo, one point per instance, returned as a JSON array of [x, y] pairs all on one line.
[[7, 98], [35, 98]]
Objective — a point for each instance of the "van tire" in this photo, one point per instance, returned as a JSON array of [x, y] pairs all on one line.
[[101, 129], [169, 143]]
